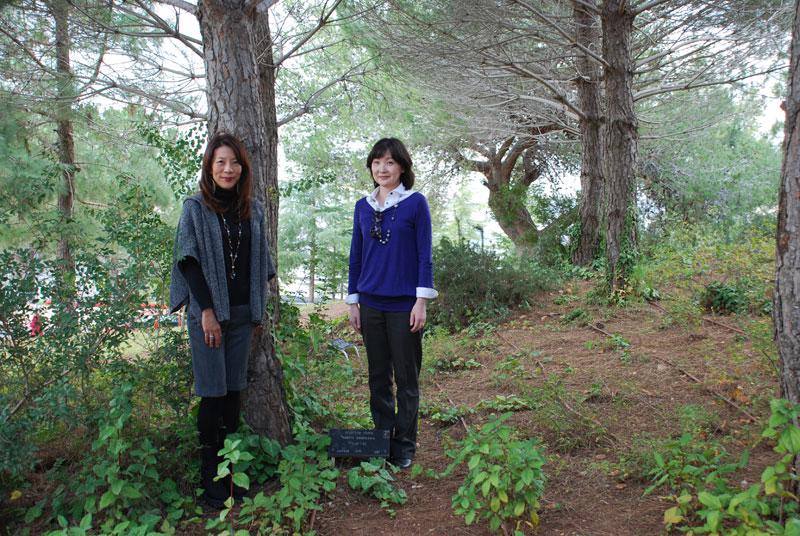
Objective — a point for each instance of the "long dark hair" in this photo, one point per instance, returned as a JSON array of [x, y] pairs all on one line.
[[399, 153], [243, 187]]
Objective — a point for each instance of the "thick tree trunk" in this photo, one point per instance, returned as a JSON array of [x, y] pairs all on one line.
[[786, 311], [621, 137], [507, 196], [508, 208], [66, 143], [235, 104], [312, 265], [268, 188], [589, 99]]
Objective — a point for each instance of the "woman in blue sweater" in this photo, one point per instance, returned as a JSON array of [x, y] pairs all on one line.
[[390, 282]]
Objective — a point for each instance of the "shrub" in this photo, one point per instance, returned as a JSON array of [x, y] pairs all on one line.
[[769, 507], [374, 478], [479, 285], [745, 294], [505, 478], [306, 472]]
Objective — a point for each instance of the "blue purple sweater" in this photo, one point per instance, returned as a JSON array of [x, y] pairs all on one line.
[[390, 276]]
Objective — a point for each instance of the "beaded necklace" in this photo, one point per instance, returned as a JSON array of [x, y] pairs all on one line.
[[377, 231], [233, 254]]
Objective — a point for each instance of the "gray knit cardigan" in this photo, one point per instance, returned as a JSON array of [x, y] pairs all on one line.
[[199, 236]]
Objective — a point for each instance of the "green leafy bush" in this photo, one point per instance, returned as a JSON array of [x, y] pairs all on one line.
[[306, 472], [690, 462], [504, 481], [374, 478], [769, 507], [743, 295], [479, 285], [446, 415], [118, 488], [49, 380]]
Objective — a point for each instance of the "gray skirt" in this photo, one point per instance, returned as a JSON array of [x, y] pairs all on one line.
[[223, 369]]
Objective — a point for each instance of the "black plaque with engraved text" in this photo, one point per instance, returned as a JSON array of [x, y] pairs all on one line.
[[359, 443]]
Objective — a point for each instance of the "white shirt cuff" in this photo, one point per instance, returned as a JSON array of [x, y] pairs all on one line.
[[425, 292], [351, 299]]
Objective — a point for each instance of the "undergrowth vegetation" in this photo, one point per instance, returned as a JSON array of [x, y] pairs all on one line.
[[92, 374], [476, 285]]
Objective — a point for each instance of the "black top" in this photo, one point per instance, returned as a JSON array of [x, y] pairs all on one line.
[[239, 287]]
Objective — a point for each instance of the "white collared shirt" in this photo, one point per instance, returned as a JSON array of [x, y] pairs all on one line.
[[392, 198]]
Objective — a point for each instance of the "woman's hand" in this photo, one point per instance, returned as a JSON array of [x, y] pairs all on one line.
[[355, 317], [418, 315], [211, 328]]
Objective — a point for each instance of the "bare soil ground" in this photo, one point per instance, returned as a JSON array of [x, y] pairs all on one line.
[[614, 397]]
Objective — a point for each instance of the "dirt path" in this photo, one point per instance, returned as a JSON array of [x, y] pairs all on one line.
[[625, 393]]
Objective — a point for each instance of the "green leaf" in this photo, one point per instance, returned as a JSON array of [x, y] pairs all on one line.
[[712, 521], [792, 527], [470, 517], [416, 470], [790, 439], [116, 486], [107, 499], [242, 480], [519, 508], [34, 512], [474, 461], [86, 522], [707, 499], [131, 492], [527, 476]]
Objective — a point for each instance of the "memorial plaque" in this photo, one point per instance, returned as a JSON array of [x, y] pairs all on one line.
[[359, 443]]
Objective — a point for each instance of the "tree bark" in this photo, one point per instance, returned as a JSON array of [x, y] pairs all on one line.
[[268, 188], [66, 144], [786, 310], [621, 137], [229, 30], [587, 34], [312, 263]]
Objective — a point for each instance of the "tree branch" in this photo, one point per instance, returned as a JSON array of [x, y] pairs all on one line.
[[570, 41], [323, 19], [647, 5], [690, 85], [180, 4], [158, 22], [308, 105]]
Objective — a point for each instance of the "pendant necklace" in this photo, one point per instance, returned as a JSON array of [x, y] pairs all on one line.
[[233, 254], [377, 232]]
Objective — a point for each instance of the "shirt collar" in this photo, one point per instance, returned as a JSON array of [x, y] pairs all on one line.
[[392, 198]]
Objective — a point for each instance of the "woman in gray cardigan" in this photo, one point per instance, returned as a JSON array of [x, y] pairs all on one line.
[[220, 274]]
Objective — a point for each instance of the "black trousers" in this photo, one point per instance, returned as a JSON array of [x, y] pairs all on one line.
[[393, 351]]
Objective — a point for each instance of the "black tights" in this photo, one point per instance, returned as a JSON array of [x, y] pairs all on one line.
[[215, 413]]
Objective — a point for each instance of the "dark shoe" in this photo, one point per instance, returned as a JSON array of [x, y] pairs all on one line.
[[214, 492], [400, 463]]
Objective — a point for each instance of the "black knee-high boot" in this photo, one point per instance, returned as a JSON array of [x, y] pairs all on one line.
[[208, 418]]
